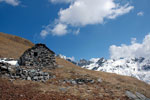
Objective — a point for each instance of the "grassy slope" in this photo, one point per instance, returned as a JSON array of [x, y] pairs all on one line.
[[112, 87], [13, 46]]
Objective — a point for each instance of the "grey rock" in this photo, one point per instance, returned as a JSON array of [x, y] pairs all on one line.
[[41, 77], [3, 67], [63, 89], [17, 77], [35, 78], [11, 80], [99, 80], [45, 74], [53, 76], [23, 76], [136, 96], [131, 96], [84, 62], [92, 81], [64, 82], [29, 78], [78, 81], [60, 66], [33, 71], [140, 96], [10, 69], [73, 82], [46, 77], [101, 61]]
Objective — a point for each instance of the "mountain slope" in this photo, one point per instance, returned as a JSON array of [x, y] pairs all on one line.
[[104, 86], [13, 46]]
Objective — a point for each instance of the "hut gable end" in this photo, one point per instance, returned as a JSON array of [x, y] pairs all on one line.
[[38, 56]]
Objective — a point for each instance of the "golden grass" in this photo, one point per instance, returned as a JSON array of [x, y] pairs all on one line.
[[13, 46], [112, 82]]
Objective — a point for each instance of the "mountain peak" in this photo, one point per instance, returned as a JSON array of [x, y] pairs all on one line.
[[135, 67]]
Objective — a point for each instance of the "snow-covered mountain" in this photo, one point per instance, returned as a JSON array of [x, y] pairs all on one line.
[[134, 67]]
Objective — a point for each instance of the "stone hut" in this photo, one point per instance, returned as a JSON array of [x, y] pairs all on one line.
[[38, 56]]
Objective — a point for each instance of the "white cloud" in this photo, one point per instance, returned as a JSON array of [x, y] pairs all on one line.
[[11, 2], [141, 13], [122, 10], [133, 50], [84, 12], [59, 30], [44, 33]]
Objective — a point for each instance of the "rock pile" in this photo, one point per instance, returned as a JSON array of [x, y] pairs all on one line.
[[4, 68], [78, 81], [31, 74], [38, 56], [21, 73]]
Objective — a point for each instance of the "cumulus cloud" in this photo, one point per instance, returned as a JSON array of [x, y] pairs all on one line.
[[85, 12], [141, 13], [133, 50], [59, 30], [11, 2]]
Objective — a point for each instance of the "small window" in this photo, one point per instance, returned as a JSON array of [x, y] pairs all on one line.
[[35, 54]]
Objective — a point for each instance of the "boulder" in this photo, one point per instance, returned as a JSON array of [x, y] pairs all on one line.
[[136, 96]]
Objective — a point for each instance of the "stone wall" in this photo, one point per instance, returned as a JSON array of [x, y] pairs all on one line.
[[38, 56], [16, 72]]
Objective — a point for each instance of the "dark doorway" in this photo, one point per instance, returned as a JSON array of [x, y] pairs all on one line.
[[35, 54]]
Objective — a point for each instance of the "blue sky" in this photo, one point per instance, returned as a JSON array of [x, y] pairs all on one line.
[[75, 32]]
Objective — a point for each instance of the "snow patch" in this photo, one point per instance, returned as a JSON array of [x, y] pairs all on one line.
[[11, 62]]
